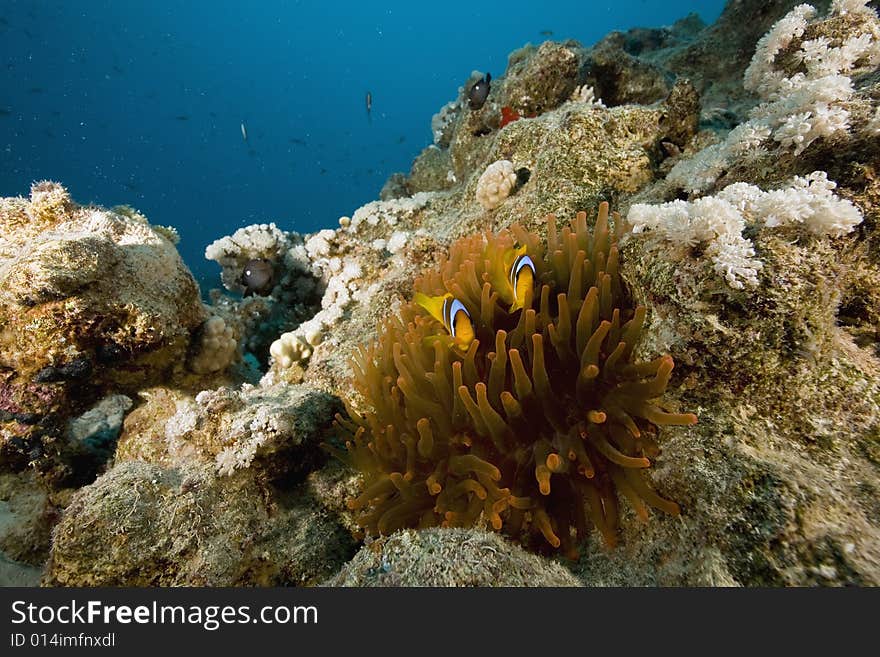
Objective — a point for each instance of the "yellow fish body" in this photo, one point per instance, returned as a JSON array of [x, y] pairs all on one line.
[[512, 274], [450, 312], [521, 278]]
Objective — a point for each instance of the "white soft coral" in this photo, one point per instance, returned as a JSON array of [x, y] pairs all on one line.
[[808, 201], [798, 108], [718, 221]]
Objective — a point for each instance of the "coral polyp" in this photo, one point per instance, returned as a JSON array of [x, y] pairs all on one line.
[[537, 425]]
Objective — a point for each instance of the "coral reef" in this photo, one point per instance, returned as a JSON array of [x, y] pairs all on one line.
[[142, 525], [761, 278], [273, 430], [430, 436], [449, 557], [496, 184], [802, 72], [91, 301]]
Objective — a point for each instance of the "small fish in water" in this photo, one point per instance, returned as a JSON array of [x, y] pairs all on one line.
[[369, 104], [479, 92], [257, 276], [243, 131], [5, 112], [182, 117], [296, 140], [546, 33], [450, 312]]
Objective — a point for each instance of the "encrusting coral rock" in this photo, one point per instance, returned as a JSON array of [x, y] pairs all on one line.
[[95, 431], [27, 513], [541, 79], [342, 271], [91, 300], [542, 414], [142, 525], [207, 491], [449, 557], [273, 430]]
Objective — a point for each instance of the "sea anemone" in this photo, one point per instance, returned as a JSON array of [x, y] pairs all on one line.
[[532, 423]]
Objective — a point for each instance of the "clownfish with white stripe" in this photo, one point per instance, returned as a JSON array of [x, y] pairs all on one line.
[[521, 278], [512, 274], [450, 312]]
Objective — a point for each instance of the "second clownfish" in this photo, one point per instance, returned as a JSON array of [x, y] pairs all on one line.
[[512, 274], [521, 278], [450, 312]]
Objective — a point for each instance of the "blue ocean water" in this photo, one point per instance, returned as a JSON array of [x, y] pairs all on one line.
[[142, 103]]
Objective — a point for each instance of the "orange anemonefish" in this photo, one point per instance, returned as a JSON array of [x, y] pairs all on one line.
[[450, 312], [521, 278]]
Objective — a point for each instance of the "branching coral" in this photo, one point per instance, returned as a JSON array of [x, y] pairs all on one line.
[[216, 348], [533, 426]]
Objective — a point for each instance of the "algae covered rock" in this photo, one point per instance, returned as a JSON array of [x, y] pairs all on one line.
[[778, 481], [90, 300], [273, 430], [431, 171], [27, 514], [620, 78], [142, 525], [541, 78], [449, 557]]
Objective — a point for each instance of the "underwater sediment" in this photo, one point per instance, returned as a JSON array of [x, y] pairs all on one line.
[[149, 438]]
